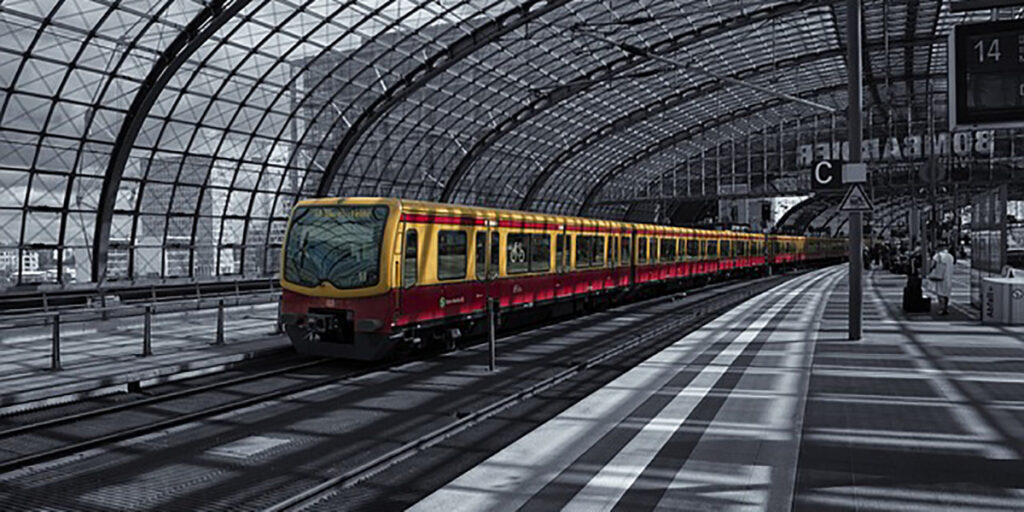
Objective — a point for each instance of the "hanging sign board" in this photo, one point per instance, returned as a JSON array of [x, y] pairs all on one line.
[[827, 174], [986, 75]]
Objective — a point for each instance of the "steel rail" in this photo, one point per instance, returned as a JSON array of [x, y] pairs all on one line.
[[129, 433], [52, 422]]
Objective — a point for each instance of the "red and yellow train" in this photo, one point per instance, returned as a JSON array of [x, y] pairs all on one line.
[[362, 275]]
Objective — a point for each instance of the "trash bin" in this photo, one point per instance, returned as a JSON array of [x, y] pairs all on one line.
[[1002, 300]]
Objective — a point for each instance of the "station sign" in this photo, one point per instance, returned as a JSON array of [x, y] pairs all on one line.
[[915, 147], [986, 74], [832, 174], [827, 174]]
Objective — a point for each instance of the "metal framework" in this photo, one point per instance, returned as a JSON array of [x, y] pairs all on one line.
[[166, 141]]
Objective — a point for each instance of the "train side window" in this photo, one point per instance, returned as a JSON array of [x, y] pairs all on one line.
[[712, 250], [451, 255], [480, 269], [693, 248], [725, 248], [668, 249], [584, 248], [517, 257], [540, 252], [598, 259], [560, 253], [626, 248], [641, 250], [741, 248], [409, 264]]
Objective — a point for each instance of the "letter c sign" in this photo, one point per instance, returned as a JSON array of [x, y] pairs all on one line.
[[827, 174]]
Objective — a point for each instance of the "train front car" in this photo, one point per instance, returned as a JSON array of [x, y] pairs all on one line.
[[336, 278]]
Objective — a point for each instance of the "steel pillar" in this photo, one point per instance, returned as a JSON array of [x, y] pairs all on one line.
[[853, 68]]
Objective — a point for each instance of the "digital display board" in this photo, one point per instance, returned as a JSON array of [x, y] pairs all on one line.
[[987, 74]]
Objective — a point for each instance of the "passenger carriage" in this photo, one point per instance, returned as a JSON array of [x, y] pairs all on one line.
[[361, 275]]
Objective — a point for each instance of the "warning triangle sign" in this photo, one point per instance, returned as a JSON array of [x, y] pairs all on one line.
[[856, 200]]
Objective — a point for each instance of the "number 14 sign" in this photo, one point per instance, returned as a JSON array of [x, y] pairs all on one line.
[[986, 75]]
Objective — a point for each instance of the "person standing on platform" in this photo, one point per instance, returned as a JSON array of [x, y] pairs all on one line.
[[941, 274]]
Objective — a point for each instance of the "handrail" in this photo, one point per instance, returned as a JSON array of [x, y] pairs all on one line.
[[48, 301], [127, 310], [57, 320]]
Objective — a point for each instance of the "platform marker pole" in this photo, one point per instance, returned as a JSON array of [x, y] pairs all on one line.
[[853, 68], [147, 332], [55, 347], [490, 334], [220, 323]]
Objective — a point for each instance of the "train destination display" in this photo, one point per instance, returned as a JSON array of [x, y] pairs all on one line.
[[987, 74]]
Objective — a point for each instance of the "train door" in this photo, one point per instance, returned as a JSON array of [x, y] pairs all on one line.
[[481, 285], [764, 249], [632, 244], [408, 265], [562, 283], [487, 258]]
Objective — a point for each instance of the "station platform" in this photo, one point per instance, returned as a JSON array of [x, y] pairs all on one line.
[[771, 407], [103, 357]]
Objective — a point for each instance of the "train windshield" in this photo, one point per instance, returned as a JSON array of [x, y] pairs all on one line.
[[336, 244]]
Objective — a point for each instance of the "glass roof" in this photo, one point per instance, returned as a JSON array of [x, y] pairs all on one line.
[[147, 140]]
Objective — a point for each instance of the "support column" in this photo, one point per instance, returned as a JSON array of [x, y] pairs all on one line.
[[853, 67]]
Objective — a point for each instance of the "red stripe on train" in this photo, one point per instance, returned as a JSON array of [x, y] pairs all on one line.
[[442, 219]]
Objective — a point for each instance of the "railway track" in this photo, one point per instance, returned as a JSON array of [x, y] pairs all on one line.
[[105, 428], [656, 337], [60, 438], [127, 420]]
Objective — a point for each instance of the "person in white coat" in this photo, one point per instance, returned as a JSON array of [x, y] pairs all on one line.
[[941, 275]]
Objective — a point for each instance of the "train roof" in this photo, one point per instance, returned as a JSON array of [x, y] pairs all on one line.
[[419, 206]]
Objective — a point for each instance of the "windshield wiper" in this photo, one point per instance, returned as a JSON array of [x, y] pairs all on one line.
[[303, 248]]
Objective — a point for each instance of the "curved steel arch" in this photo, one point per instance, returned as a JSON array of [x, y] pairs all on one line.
[[435, 65], [608, 71], [303, 100], [341, 118], [663, 105], [792, 212], [665, 144], [200, 29]]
